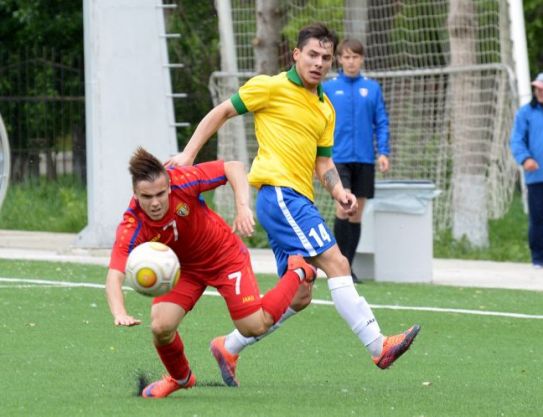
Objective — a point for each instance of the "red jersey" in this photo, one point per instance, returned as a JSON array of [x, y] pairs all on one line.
[[202, 240]]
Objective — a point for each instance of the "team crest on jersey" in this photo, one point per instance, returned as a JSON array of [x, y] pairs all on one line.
[[182, 209], [363, 92]]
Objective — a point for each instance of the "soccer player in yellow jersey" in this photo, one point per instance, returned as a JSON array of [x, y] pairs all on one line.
[[294, 125]]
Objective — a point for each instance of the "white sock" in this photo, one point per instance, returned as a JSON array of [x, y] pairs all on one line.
[[356, 312], [375, 348], [235, 342]]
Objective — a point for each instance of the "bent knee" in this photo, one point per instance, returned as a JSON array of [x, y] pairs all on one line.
[[343, 262], [162, 331], [301, 301], [254, 330], [302, 298], [300, 304]]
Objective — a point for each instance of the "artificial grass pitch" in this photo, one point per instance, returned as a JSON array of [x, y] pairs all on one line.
[[62, 356]]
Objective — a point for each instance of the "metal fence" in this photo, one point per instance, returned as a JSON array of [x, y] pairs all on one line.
[[42, 103]]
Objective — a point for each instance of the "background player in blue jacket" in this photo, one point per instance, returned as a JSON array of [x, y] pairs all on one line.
[[527, 149], [361, 129]]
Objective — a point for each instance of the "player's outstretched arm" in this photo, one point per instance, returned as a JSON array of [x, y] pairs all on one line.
[[207, 127], [327, 172], [244, 222], [115, 299]]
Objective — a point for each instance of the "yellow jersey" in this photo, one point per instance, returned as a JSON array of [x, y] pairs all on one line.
[[292, 125]]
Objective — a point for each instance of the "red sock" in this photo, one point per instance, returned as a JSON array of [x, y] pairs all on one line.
[[276, 301], [173, 357]]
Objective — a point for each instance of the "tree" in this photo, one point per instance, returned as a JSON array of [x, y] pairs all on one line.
[[268, 36], [468, 177], [356, 19]]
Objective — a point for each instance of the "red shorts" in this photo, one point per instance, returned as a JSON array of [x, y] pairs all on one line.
[[237, 284]]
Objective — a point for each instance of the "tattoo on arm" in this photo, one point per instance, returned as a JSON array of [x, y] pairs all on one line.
[[330, 179]]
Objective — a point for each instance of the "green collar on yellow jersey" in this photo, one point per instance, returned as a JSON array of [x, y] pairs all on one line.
[[293, 76]]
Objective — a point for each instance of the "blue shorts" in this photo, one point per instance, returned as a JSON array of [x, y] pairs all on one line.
[[293, 223]]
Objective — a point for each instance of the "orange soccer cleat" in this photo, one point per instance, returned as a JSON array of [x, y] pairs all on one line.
[[227, 361], [395, 346], [298, 261], [165, 386]]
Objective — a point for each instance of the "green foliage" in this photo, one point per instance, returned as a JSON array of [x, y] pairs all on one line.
[[424, 25], [259, 239], [488, 12], [198, 50], [312, 366], [61, 207], [407, 39], [40, 205], [508, 239], [31, 23], [533, 11], [41, 52], [325, 11]]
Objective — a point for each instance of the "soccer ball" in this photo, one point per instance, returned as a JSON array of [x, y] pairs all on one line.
[[152, 269]]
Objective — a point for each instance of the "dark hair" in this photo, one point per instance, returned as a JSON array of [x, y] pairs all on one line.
[[316, 31], [145, 167], [353, 44]]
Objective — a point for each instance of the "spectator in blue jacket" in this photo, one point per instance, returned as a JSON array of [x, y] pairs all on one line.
[[527, 149], [361, 129]]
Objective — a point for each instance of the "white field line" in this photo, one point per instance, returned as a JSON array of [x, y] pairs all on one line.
[[66, 284]]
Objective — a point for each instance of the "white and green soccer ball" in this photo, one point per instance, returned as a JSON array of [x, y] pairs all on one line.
[[152, 269]]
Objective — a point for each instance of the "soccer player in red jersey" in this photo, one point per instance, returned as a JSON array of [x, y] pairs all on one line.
[[167, 207]]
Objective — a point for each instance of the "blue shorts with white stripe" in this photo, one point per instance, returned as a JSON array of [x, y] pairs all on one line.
[[293, 223]]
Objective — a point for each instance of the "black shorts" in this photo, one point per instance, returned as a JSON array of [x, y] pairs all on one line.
[[358, 177]]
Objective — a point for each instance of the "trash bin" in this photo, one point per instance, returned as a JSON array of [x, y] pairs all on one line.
[[397, 240]]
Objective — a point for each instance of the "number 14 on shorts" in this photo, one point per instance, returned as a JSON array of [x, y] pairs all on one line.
[[321, 236]]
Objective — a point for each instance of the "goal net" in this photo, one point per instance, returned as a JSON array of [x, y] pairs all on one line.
[[445, 68]]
